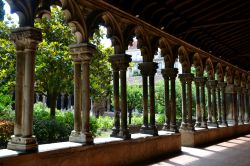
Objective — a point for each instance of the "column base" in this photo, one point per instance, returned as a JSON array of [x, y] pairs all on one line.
[[213, 124], [224, 124], [232, 123], [166, 127], [197, 124], [174, 128], [124, 133], [23, 144], [150, 130], [203, 125], [80, 137], [115, 132]]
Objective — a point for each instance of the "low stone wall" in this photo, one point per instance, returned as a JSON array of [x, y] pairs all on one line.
[[208, 136], [118, 153]]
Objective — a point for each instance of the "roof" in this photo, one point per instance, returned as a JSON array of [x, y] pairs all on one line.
[[221, 28]]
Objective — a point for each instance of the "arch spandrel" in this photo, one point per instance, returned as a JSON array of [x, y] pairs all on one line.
[[220, 72], [147, 43], [184, 59], [243, 80], [168, 51], [237, 78], [199, 68], [210, 69], [229, 75]]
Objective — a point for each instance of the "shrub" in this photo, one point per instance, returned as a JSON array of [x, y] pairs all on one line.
[[105, 122], [6, 130]]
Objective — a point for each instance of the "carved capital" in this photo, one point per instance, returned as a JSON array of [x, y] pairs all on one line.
[[238, 89], [186, 77], [222, 85], [26, 38], [230, 88], [212, 84], [120, 61], [148, 68], [169, 72], [82, 53], [200, 81]]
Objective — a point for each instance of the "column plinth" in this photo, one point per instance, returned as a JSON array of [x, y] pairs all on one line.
[[82, 53], [26, 40], [148, 69], [186, 82]]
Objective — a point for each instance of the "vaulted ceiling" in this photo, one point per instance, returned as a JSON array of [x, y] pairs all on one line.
[[220, 27]]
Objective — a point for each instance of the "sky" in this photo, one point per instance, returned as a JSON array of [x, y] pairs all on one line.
[[106, 42]]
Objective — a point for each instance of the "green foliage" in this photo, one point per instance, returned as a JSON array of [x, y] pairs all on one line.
[[105, 122], [100, 69], [137, 119], [134, 97], [1, 10], [7, 58], [6, 113]]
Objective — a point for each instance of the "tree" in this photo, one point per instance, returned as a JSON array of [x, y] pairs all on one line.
[[1, 10], [7, 58], [134, 99], [100, 73], [54, 67]]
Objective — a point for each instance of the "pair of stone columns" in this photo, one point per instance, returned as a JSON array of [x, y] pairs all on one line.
[[231, 106], [120, 63], [81, 55], [148, 70], [222, 104], [186, 83], [169, 74], [212, 103], [200, 102], [26, 40]]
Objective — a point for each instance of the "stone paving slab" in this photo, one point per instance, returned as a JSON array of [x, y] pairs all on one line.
[[234, 152]]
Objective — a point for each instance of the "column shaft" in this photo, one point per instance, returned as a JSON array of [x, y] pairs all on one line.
[[189, 94], [219, 105], [184, 105], [124, 128], [209, 105], [145, 101], [116, 128], [198, 110], [20, 61], [167, 106], [203, 113], [173, 126], [152, 103]]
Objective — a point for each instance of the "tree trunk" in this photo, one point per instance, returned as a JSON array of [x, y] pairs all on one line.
[[129, 116], [52, 101]]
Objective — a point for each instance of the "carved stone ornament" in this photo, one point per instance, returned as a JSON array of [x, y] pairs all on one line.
[[148, 68], [82, 52]]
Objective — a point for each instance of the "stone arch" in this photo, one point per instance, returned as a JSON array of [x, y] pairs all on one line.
[[210, 69], [147, 43], [243, 80], [229, 75], [220, 72], [72, 13], [168, 52], [184, 59], [197, 61], [237, 78]]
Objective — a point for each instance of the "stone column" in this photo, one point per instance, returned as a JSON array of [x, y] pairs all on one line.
[[213, 86], [203, 113], [198, 110], [189, 95], [221, 86], [120, 63], [166, 125], [173, 125], [245, 106], [231, 106], [239, 105], [117, 111], [76, 134], [148, 69], [219, 105], [186, 79], [152, 72], [209, 104], [124, 64], [84, 51], [248, 106], [26, 40]]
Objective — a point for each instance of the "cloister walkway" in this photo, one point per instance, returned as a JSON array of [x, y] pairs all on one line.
[[234, 152]]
